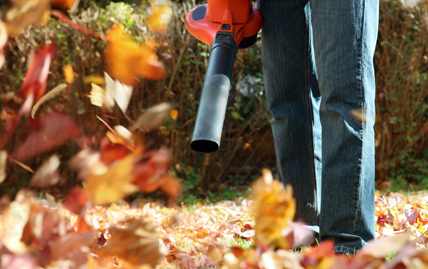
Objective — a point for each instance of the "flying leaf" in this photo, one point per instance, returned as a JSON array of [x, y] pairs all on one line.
[[137, 244], [48, 174], [3, 40], [113, 185], [173, 114], [121, 136], [12, 260], [64, 245], [51, 94], [23, 13], [117, 91], [96, 79], [98, 97], [128, 60], [83, 161], [274, 207], [65, 4], [152, 117], [75, 200], [69, 73], [3, 160], [37, 72], [46, 133], [159, 18]]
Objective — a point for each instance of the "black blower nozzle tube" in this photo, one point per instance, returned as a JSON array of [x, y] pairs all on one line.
[[215, 92]]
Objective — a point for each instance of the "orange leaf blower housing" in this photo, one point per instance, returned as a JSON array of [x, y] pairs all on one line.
[[237, 17], [225, 25]]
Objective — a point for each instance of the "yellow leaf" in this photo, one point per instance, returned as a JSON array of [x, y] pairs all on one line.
[[274, 207], [128, 60], [69, 73], [160, 18], [173, 114], [96, 79], [113, 185]]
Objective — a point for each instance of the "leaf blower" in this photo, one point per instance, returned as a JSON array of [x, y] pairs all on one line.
[[226, 25]]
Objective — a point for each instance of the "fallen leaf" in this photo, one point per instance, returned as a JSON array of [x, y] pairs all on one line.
[[37, 73], [384, 246], [51, 94], [159, 18], [128, 60], [152, 117], [48, 174], [113, 185], [137, 244], [46, 132], [69, 73], [12, 260]]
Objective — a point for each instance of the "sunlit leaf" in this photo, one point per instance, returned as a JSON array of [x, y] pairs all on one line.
[[128, 60], [51, 94], [274, 207], [137, 244], [3, 40], [48, 174], [65, 4], [46, 133], [121, 136], [23, 13], [69, 73], [173, 114], [113, 185], [159, 18], [117, 91]]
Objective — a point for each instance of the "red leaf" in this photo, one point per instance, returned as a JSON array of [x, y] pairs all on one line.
[[325, 249], [45, 133], [37, 72], [75, 200], [110, 152]]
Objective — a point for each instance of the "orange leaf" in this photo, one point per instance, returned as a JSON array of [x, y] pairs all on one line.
[[69, 73], [173, 114], [160, 18], [128, 60], [75, 200], [65, 4]]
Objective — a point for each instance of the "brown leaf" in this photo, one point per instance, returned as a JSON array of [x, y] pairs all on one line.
[[384, 246], [137, 244], [3, 161], [152, 118], [50, 95], [128, 60], [75, 200], [46, 133], [66, 244], [48, 174], [23, 13]]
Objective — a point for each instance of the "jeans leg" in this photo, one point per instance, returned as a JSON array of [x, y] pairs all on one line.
[[288, 76], [344, 37]]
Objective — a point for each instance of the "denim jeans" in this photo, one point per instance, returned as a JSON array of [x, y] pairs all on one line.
[[318, 70]]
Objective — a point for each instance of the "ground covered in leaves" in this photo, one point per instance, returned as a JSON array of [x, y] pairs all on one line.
[[44, 233]]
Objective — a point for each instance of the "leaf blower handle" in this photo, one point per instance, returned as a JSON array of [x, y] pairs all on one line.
[[215, 92]]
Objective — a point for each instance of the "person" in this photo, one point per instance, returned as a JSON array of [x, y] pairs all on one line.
[[317, 58]]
